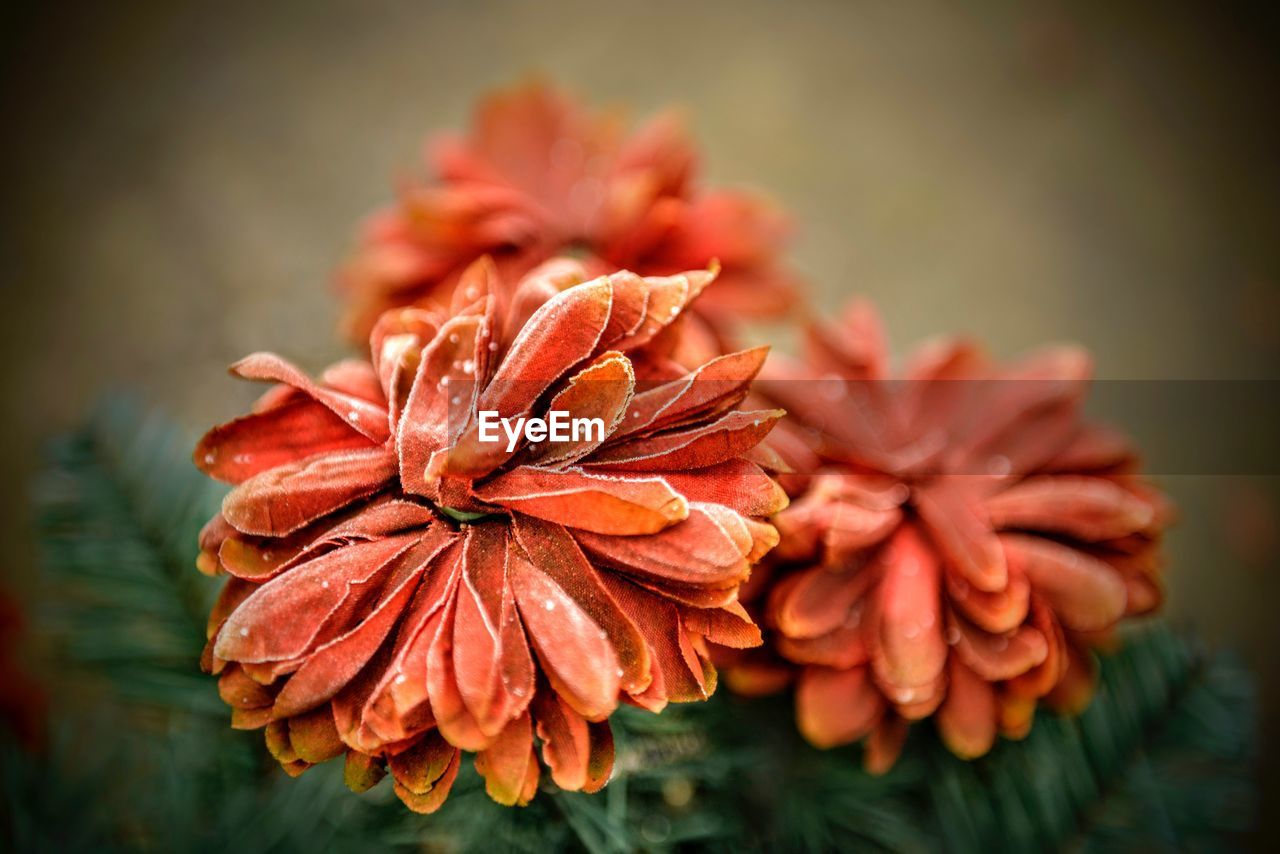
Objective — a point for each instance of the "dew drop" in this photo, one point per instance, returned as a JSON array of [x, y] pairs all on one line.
[[619, 671], [266, 555], [550, 604], [675, 309], [953, 635], [468, 367], [244, 631], [471, 291], [999, 465], [493, 346], [401, 679], [457, 399], [353, 416], [242, 458], [911, 631], [603, 634], [453, 338], [1000, 644], [325, 584], [209, 458], [444, 381]]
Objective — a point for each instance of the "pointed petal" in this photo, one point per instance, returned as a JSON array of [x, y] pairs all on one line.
[[282, 618], [574, 650], [740, 485], [601, 391], [367, 417], [708, 548], [284, 499], [605, 504], [704, 445], [555, 553], [300, 428]]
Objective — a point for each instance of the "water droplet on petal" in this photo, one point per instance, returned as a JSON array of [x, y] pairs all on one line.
[[1000, 644], [457, 399], [453, 338], [550, 604], [444, 381], [493, 346], [353, 416], [209, 458], [911, 631], [244, 631], [401, 679], [325, 584], [953, 635], [999, 465]]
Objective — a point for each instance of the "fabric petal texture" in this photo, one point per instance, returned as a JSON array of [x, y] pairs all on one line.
[[403, 588], [538, 175], [959, 537]]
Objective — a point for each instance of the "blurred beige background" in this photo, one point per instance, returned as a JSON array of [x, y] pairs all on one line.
[[180, 179]]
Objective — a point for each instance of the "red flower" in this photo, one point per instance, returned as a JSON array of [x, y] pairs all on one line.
[[538, 176], [966, 537], [402, 589]]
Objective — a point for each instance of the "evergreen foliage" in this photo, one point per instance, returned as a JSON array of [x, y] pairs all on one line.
[[141, 755]]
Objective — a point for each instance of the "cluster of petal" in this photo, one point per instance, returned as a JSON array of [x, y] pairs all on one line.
[[400, 591], [538, 176], [960, 539]]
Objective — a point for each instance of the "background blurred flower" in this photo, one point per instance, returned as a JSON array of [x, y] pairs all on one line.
[[959, 538], [401, 590], [539, 176]]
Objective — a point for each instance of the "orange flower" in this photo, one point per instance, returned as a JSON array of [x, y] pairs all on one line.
[[401, 589], [538, 176], [960, 537]]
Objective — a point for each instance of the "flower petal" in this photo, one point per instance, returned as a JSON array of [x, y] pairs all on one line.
[[1088, 508], [700, 446], [835, 707], [1085, 593], [967, 717], [365, 416], [604, 504], [574, 650], [283, 499]]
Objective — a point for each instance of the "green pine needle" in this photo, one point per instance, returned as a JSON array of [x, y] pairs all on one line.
[[142, 757]]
